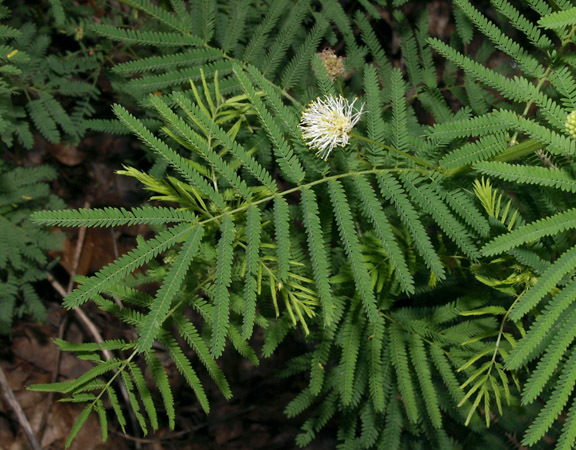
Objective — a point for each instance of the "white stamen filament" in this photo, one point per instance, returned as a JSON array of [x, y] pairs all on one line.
[[327, 123]]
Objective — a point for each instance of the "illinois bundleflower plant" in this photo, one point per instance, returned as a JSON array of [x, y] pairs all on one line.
[[327, 123]]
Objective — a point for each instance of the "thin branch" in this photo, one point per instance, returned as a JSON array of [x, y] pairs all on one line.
[[22, 419], [77, 254], [53, 378], [64, 321], [82, 317]]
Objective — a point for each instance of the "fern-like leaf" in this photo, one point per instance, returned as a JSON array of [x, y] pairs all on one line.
[[392, 190], [559, 19], [320, 266], [568, 436], [300, 403], [431, 203], [461, 203], [541, 327], [188, 331], [559, 338], [253, 236], [133, 400], [399, 119], [169, 19], [349, 239], [144, 394], [226, 141], [319, 360], [554, 142], [169, 156], [555, 404], [548, 226], [43, 121], [374, 213], [297, 66], [168, 291], [185, 368], [518, 89], [153, 38], [350, 349], [375, 379], [112, 217], [221, 295], [282, 229], [484, 148], [161, 380], [236, 25], [118, 270], [424, 376], [403, 375], [323, 80], [520, 22], [168, 62], [201, 145], [257, 41], [82, 417], [527, 62], [376, 126], [279, 46], [287, 159], [563, 265], [541, 176]]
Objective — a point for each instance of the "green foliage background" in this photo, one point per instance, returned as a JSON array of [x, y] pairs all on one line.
[[427, 268]]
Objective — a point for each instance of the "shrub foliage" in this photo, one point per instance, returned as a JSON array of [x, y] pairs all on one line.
[[426, 267]]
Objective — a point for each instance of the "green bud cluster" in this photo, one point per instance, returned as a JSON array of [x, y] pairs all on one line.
[[570, 124]]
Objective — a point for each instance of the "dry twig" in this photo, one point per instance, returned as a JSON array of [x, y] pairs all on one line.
[[22, 419]]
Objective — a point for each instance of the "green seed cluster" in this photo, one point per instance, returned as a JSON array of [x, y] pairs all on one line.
[[571, 124]]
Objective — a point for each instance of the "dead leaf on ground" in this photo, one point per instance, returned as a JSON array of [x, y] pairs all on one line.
[[67, 154], [33, 357]]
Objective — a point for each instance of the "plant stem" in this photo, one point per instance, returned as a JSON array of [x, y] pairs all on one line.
[[509, 154], [418, 161], [304, 186], [517, 151], [289, 97]]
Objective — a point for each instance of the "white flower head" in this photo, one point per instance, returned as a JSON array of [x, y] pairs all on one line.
[[327, 123]]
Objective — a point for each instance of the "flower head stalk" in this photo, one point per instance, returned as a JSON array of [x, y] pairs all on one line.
[[327, 123]]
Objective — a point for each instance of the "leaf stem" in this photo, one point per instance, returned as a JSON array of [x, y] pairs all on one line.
[[307, 185], [509, 154], [417, 160]]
